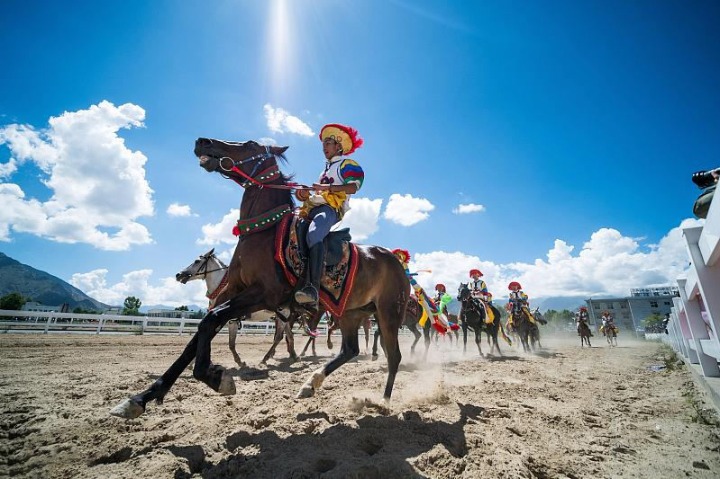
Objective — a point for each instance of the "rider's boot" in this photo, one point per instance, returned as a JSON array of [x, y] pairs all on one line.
[[308, 295]]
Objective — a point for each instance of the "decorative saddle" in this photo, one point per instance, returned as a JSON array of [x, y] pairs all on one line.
[[341, 261]]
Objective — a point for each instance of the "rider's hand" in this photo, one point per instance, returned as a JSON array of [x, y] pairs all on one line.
[[302, 195]]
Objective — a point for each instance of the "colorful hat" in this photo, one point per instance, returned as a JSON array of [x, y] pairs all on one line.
[[514, 285], [583, 308], [346, 136], [474, 272], [402, 254], [440, 287]]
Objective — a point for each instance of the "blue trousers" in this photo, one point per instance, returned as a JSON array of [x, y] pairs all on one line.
[[323, 218]]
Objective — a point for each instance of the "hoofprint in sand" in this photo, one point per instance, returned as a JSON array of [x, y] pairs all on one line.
[[564, 412]]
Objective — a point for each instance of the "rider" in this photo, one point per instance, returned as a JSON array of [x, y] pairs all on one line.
[[442, 298], [430, 310], [340, 178], [478, 290], [582, 317], [517, 296]]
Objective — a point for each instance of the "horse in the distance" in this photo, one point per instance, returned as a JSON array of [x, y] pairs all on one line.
[[413, 313], [255, 282], [522, 326], [583, 330], [473, 315], [610, 333], [215, 273]]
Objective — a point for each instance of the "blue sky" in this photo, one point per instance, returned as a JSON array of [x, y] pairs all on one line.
[[568, 130]]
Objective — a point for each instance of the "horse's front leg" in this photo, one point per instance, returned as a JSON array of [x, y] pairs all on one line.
[[478, 340], [465, 332], [211, 324]]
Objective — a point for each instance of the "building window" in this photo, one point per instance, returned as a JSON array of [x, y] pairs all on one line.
[[667, 303], [610, 306], [623, 306], [653, 304]]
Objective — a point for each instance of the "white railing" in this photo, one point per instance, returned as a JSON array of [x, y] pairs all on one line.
[[694, 326], [52, 322]]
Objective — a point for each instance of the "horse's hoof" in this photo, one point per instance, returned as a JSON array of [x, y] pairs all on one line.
[[128, 409], [305, 392], [227, 385], [374, 357]]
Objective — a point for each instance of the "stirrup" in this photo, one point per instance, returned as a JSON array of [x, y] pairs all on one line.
[[307, 295]]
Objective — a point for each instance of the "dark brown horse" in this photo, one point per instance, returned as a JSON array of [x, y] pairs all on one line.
[[583, 330], [472, 315], [523, 327], [256, 283]]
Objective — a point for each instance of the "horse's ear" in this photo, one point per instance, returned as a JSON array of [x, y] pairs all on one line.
[[209, 253], [278, 150]]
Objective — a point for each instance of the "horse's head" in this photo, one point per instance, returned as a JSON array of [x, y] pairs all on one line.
[[463, 292], [200, 267], [237, 160]]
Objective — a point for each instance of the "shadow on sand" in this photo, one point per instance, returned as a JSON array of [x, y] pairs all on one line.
[[374, 447]]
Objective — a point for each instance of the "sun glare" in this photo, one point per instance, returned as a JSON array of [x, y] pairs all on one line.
[[279, 46]]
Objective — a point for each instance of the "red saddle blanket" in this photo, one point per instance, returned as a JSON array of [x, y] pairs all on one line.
[[337, 280]]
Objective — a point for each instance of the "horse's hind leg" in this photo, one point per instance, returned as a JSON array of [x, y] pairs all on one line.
[[232, 337], [290, 339], [413, 329], [279, 330], [375, 344], [366, 327], [389, 320], [349, 325]]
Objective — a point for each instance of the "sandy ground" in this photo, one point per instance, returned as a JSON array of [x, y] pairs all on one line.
[[563, 412]]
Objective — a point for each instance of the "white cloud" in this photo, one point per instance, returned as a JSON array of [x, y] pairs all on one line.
[[176, 209], [608, 264], [98, 185], [7, 169], [217, 233], [280, 121], [167, 291], [362, 218], [463, 209], [407, 210]]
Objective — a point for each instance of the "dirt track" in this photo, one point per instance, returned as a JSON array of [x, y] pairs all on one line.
[[565, 412]]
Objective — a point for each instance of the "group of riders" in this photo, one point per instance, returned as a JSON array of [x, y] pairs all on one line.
[[326, 205], [582, 318]]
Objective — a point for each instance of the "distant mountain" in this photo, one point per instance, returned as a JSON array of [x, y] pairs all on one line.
[[16, 277]]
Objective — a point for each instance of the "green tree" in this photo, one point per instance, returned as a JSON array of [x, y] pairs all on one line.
[[131, 306], [182, 308], [653, 321], [12, 301]]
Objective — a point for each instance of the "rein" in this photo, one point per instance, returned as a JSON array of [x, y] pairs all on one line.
[[260, 179]]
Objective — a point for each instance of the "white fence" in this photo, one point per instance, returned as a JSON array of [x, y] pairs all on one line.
[[51, 322], [695, 317]]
